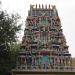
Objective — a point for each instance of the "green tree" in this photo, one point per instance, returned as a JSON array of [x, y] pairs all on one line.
[[9, 27], [14, 50]]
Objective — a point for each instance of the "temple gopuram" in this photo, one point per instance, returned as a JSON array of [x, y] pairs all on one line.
[[43, 50]]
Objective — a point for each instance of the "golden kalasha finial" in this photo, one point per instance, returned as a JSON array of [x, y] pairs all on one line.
[[49, 5], [46, 6], [36, 5], [42, 6], [39, 5]]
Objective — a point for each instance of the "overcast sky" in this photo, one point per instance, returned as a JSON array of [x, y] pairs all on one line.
[[66, 11]]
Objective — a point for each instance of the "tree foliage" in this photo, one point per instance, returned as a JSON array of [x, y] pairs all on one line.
[[9, 27]]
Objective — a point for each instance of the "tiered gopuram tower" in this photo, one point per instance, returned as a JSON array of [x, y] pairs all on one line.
[[44, 45]]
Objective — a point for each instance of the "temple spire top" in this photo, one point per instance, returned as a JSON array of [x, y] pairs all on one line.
[[42, 6], [49, 5], [46, 6], [39, 5], [36, 5]]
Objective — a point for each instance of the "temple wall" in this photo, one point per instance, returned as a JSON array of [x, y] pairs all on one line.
[[59, 73]]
